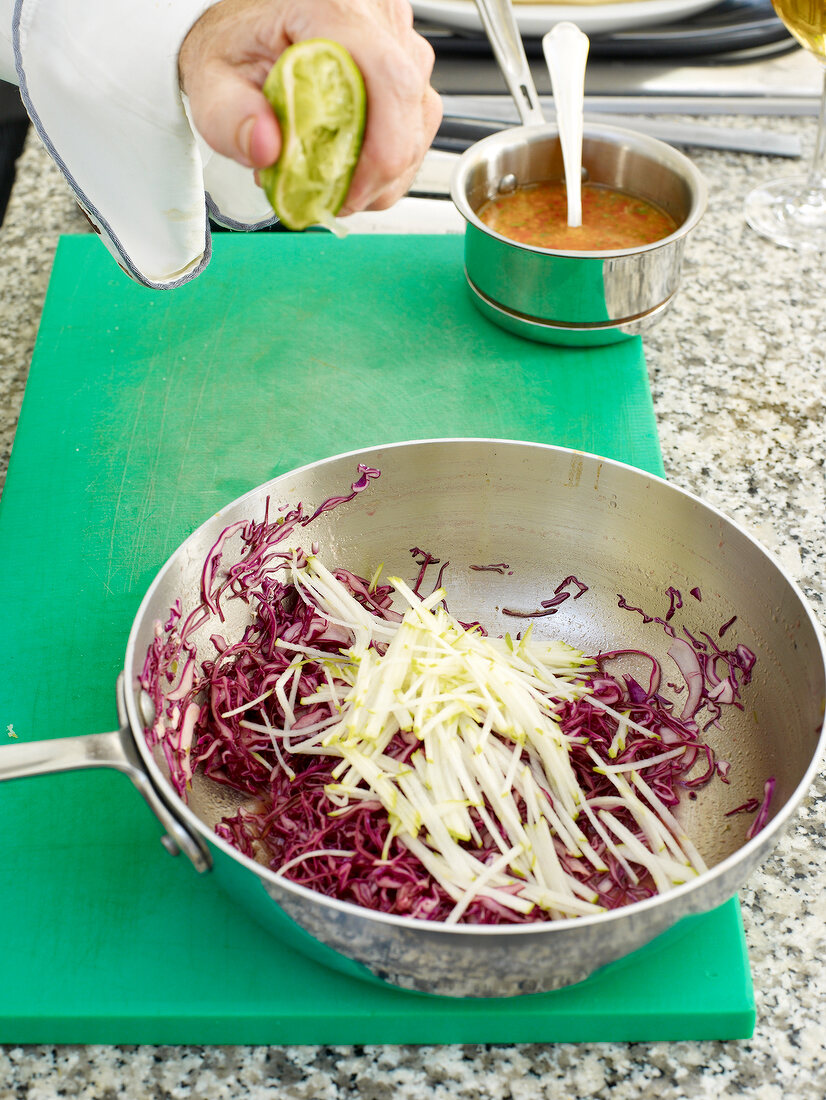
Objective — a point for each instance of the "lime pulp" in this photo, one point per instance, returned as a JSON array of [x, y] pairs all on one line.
[[318, 95]]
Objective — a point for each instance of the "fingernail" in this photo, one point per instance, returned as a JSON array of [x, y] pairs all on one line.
[[244, 138]]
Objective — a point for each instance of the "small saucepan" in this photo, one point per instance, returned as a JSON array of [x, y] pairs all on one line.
[[565, 297]]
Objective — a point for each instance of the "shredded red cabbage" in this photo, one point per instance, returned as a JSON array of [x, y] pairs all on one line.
[[758, 807], [501, 567], [214, 715], [550, 606]]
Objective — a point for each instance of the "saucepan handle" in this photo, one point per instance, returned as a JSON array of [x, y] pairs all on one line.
[[105, 750], [498, 19]]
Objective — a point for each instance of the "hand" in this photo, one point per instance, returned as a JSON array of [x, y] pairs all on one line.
[[227, 54]]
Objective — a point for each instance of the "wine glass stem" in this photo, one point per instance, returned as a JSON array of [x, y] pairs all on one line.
[[817, 174]]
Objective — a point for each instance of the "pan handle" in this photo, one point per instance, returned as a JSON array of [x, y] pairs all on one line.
[[500, 26], [105, 750]]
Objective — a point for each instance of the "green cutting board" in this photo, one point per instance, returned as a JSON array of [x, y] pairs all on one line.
[[144, 413]]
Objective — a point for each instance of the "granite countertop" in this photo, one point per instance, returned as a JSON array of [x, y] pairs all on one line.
[[739, 385]]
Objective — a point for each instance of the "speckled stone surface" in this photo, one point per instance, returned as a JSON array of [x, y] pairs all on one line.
[[738, 375]]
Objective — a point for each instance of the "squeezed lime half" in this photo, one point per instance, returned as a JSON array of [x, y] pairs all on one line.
[[318, 96]]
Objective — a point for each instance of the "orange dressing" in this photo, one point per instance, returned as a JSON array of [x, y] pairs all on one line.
[[537, 214]]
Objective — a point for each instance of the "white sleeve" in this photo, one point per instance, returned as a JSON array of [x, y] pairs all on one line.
[[99, 79], [233, 197], [7, 69]]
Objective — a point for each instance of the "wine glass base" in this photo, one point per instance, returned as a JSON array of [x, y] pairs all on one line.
[[789, 212]]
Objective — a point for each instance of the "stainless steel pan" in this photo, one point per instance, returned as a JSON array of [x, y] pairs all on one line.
[[548, 512]]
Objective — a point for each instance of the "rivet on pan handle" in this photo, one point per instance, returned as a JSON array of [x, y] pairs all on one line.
[[105, 750]]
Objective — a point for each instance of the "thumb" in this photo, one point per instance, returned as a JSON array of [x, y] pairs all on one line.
[[235, 119]]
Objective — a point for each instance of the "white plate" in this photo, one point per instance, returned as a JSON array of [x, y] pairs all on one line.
[[535, 19]]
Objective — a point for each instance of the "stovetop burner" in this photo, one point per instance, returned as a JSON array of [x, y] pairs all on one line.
[[731, 28], [733, 35]]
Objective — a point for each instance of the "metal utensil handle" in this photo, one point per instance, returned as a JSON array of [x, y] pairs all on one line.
[[503, 34], [104, 750]]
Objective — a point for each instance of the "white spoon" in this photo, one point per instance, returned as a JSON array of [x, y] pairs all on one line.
[[566, 52]]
